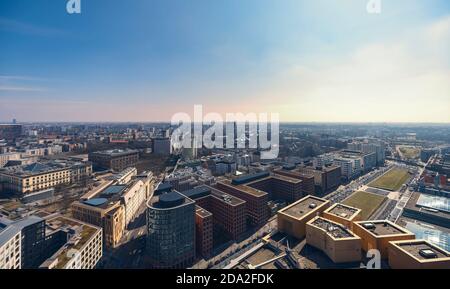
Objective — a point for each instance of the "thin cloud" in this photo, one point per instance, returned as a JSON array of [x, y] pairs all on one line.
[[21, 77], [21, 89], [26, 28]]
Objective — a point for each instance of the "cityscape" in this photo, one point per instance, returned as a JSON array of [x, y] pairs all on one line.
[[120, 196], [175, 135]]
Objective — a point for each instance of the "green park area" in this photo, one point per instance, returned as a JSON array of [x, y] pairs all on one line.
[[367, 202], [392, 180]]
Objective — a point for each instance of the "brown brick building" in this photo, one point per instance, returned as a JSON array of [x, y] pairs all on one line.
[[228, 212], [257, 210], [308, 186], [326, 178], [203, 232]]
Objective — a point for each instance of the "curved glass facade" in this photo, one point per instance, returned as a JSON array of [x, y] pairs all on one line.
[[171, 235]]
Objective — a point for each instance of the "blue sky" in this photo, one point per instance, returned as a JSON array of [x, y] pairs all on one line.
[[144, 60]]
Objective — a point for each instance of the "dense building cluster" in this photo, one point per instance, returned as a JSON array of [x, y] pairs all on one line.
[[122, 195]]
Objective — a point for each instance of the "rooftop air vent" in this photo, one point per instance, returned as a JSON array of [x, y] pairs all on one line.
[[427, 253], [369, 226], [312, 206]]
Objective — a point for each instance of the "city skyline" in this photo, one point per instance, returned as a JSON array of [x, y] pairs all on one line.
[[145, 61]]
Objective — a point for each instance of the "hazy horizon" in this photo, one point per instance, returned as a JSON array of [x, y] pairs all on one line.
[[143, 61], [281, 122]]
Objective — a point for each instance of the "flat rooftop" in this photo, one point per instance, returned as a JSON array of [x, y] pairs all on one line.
[[170, 200], [319, 169], [80, 234], [303, 206], [249, 177], [382, 228], [335, 230], [434, 202], [420, 249], [244, 188], [108, 195], [343, 211], [44, 166], [276, 177], [292, 173], [197, 192], [36, 168], [428, 204], [232, 200], [116, 152], [202, 212]]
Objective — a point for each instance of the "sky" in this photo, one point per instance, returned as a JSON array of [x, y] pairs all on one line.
[[145, 60]]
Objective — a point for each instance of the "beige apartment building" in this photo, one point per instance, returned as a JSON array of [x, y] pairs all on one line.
[[10, 247], [114, 205], [43, 175], [110, 217]]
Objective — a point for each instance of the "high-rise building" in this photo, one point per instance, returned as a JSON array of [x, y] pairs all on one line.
[[171, 231], [228, 212], [257, 210], [203, 232]]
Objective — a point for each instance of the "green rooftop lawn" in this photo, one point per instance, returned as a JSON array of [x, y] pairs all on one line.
[[392, 180], [367, 202]]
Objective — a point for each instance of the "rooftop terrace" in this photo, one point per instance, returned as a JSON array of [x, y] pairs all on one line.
[[343, 211], [81, 233], [333, 229]]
